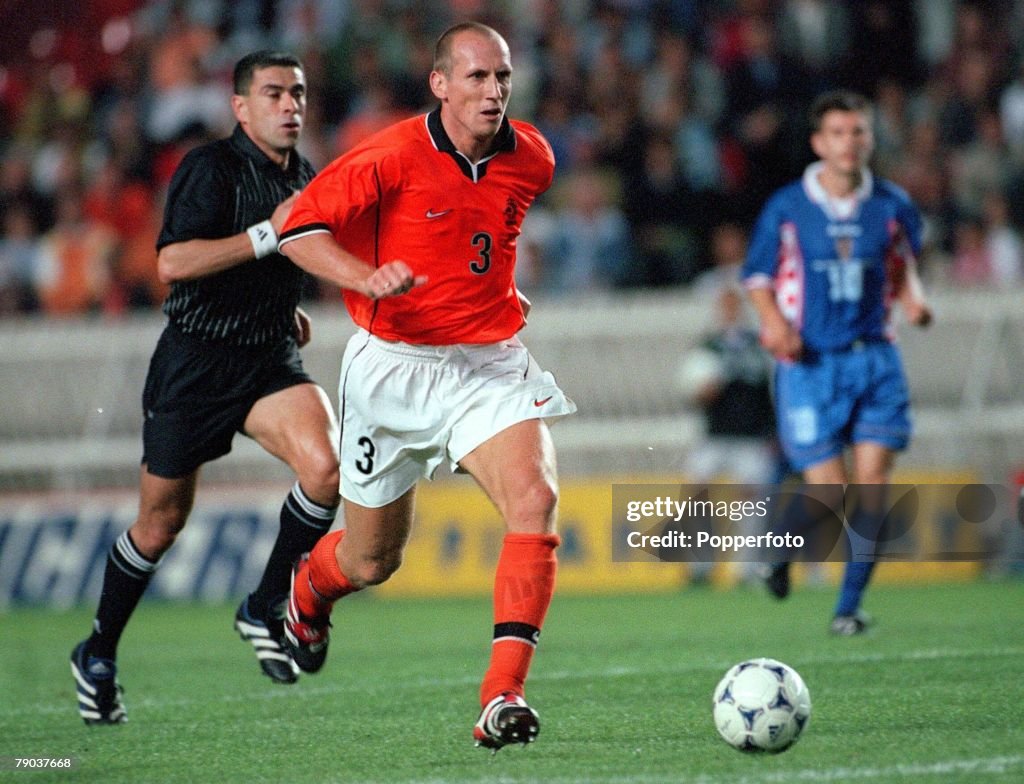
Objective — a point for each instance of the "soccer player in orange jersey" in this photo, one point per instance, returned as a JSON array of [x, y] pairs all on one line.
[[418, 225]]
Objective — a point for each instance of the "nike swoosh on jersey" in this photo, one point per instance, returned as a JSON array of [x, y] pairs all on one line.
[[431, 214], [540, 403]]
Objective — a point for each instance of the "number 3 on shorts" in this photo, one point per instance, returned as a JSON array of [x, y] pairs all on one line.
[[365, 465]]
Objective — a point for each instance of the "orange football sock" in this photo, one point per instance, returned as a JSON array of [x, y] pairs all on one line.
[[319, 582], [523, 585]]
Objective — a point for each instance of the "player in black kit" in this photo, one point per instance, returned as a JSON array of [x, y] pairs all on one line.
[[228, 361]]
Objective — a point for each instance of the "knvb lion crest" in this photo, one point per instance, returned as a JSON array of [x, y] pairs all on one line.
[[511, 212]]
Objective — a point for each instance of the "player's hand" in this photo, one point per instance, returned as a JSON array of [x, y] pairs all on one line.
[[392, 280], [282, 211], [303, 327], [918, 313], [781, 340]]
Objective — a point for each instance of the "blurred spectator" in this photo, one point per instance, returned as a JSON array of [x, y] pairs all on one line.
[[16, 187], [815, 32], [767, 97], [728, 252], [1005, 247], [922, 171], [892, 125], [190, 100], [979, 167], [972, 261], [590, 246], [183, 92], [126, 207], [726, 83], [729, 377], [377, 110], [883, 45], [679, 72], [972, 78], [1011, 113], [18, 250], [664, 213], [534, 239], [73, 270]]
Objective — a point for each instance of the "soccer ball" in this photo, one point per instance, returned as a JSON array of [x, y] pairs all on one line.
[[761, 705]]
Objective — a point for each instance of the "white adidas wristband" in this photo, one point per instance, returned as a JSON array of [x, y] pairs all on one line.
[[263, 238]]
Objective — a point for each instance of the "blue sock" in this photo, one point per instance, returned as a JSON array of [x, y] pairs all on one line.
[[855, 580]]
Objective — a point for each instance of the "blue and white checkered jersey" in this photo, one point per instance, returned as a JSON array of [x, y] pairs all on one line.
[[832, 261]]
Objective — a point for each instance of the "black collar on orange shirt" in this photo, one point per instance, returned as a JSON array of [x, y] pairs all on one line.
[[505, 141]]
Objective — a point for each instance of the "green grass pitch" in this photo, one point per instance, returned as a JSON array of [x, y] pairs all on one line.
[[622, 685]]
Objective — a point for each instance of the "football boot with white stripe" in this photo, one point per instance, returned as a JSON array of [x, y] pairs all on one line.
[[265, 637], [851, 625], [305, 638], [506, 719], [99, 693]]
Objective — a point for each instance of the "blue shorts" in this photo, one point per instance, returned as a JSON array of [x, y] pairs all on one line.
[[829, 400]]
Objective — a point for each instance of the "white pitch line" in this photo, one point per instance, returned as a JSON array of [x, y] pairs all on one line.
[[349, 688], [980, 766]]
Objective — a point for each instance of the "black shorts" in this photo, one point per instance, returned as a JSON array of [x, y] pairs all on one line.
[[198, 394]]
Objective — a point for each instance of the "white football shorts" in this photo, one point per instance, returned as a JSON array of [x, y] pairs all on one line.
[[407, 408]]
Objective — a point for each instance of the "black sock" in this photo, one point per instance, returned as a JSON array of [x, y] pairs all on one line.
[[303, 522], [125, 579]]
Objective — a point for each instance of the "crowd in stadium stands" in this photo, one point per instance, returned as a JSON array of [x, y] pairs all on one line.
[[671, 122]]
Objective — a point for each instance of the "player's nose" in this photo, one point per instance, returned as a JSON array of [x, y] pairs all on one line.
[[493, 87]]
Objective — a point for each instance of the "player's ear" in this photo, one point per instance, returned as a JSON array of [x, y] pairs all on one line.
[[439, 85], [816, 145], [240, 108]]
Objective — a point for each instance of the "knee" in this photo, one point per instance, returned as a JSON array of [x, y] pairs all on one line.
[[534, 509], [320, 477], [373, 570], [156, 530]]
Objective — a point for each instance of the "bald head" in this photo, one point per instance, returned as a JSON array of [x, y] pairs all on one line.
[[445, 44]]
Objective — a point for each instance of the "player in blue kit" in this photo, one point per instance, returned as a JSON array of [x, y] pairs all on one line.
[[828, 255]]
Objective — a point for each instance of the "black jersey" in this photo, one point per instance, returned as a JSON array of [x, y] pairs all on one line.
[[219, 190]]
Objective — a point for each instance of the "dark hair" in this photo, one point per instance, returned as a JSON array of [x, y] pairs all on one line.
[[443, 47], [254, 61], [836, 101]]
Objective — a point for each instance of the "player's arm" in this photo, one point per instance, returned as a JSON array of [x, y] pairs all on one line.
[[910, 293], [524, 303], [320, 255], [906, 282], [778, 336], [303, 327], [191, 259]]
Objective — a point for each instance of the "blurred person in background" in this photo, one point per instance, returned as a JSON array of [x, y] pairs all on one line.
[[73, 272], [664, 214], [728, 376], [590, 248], [728, 251], [19, 250], [1005, 245], [125, 205], [227, 362], [971, 265], [827, 254]]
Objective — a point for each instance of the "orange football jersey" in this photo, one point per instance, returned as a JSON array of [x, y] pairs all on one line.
[[407, 194]]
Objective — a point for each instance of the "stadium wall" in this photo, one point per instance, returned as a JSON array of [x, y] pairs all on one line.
[[71, 411]]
